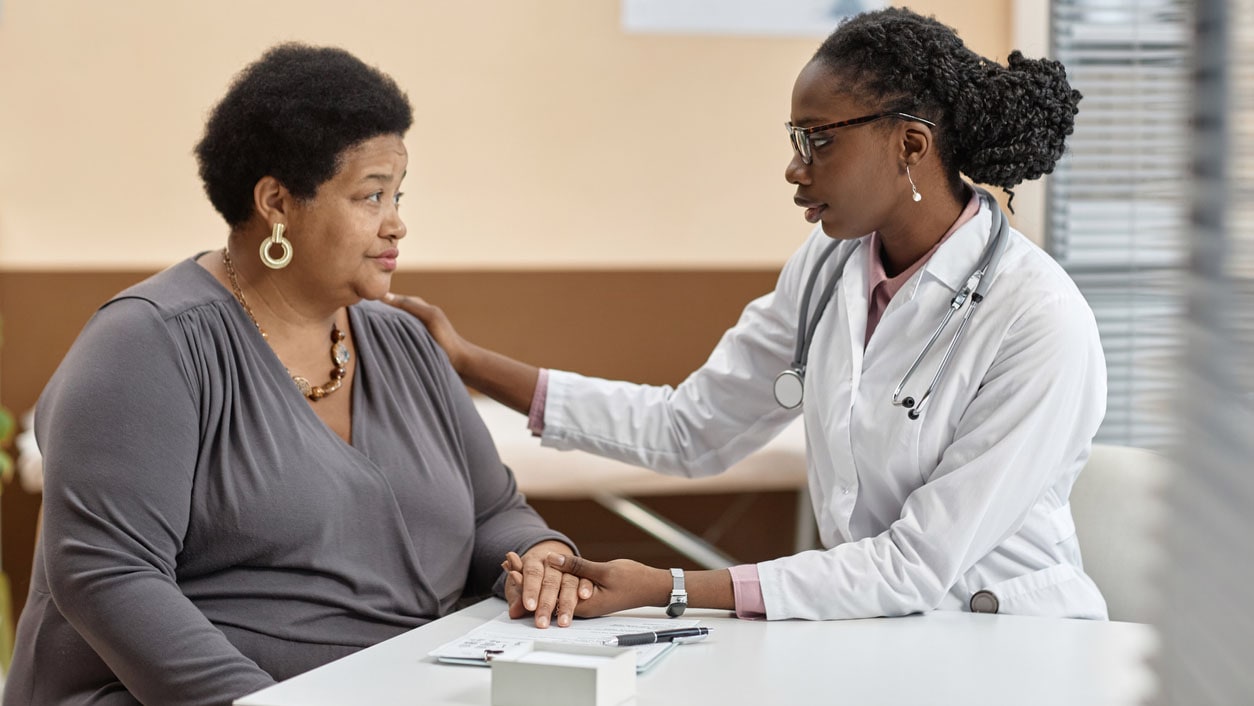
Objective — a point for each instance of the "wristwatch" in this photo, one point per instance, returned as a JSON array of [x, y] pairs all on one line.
[[679, 597]]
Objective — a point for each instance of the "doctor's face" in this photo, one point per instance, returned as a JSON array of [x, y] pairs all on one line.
[[846, 185]]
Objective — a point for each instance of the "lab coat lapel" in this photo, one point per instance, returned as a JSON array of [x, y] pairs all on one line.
[[853, 309], [950, 265], [843, 486], [955, 259], [836, 360]]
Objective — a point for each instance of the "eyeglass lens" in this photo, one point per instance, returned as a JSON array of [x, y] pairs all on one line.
[[800, 143]]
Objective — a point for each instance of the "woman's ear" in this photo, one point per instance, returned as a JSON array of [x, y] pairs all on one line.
[[916, 142], [272, 200]]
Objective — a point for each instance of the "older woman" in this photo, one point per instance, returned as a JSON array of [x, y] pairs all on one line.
[[253, 469]]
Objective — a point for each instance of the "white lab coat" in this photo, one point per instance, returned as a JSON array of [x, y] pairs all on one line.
[[913, 515]]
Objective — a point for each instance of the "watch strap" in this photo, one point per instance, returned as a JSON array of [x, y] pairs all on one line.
[[679, 594]]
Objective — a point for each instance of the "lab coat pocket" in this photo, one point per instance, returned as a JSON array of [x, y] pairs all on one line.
[[1055, 592]]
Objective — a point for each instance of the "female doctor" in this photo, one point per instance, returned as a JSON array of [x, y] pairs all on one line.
[[932, 491]]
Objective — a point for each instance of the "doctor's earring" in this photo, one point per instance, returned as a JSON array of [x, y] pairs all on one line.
[[914, 190], [276, 240]]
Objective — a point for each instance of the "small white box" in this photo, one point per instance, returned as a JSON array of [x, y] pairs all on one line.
[[556, 674]]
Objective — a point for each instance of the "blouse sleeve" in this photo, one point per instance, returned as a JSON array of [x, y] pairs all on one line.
[[119, 427]]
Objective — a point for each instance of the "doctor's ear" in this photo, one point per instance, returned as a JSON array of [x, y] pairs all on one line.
[[916, 142]]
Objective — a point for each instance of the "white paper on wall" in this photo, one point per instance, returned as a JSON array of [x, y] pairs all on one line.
[[745, 17]]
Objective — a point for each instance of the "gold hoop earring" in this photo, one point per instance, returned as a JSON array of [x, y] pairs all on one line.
[[276, 239], [914, 191]]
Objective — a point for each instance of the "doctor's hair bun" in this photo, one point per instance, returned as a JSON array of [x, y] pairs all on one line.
[[999, 125], [1020, 124]]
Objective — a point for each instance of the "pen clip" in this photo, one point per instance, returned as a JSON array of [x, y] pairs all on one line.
[[686, 640]]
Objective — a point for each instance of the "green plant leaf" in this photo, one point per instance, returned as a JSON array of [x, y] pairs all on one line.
[[8, 426], [6, 467]]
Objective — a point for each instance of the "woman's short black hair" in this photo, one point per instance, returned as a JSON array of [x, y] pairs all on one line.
[[290, 115], [997, 124]]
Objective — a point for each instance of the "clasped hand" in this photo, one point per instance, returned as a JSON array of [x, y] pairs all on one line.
[[552, 584]]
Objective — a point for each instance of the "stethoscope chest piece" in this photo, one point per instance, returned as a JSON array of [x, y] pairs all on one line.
[[789, 388]]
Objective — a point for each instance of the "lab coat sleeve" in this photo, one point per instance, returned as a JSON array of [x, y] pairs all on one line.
[[714, 418], [1034, 416]]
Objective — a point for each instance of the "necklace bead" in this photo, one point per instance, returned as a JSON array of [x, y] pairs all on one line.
[[340, 355]]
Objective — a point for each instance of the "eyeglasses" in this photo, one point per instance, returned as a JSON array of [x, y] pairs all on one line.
[[803, 146]]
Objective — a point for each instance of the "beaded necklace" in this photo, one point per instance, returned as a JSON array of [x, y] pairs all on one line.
[[339, 351]]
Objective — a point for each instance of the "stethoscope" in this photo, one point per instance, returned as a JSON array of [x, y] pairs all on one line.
[[790, 384]]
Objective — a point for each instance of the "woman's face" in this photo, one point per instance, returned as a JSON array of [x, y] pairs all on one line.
[[849, 185], [345, 237]]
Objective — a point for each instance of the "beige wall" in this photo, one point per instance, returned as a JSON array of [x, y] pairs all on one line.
[[544, 136]]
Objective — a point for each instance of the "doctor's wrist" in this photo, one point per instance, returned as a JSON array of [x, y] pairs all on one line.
[[658, 591], [508, 381]]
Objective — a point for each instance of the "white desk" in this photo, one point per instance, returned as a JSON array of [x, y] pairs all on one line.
[[934, 659]]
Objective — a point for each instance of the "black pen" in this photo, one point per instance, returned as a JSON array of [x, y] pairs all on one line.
[[648, 638]]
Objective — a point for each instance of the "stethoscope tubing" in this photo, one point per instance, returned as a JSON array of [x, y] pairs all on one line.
[[908, 402], [975, 288], [917, 411], [802, 351]]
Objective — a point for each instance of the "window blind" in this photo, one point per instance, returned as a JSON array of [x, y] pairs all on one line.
[[1207, 626], [1117, 206]]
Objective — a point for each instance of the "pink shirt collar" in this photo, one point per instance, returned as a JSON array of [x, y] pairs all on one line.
[[880, 288]]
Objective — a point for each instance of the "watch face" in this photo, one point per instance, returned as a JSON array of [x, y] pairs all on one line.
[[676, 609]]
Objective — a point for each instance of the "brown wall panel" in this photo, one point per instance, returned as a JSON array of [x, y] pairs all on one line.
[[647, 326]]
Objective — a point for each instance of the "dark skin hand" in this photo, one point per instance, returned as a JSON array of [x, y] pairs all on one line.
[[532, 585], [623, 584]]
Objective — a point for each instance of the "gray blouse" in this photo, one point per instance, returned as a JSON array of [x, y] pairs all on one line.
[[205, 533]]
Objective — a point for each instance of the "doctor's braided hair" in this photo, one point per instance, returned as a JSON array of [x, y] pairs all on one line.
[[999, 125]]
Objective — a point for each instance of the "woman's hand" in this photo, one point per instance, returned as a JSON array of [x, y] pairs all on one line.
[[534, 586], [617, 585], [457, 348]]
